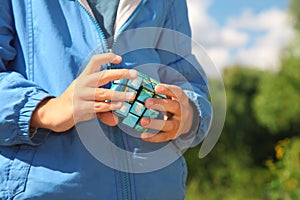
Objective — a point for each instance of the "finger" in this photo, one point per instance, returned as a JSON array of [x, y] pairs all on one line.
[[104, 77], [173, 91], [164, 105], [108, 118], [106, 106], [102, 94], [159, 137], [100, 59], [162, 125], [106, 94]]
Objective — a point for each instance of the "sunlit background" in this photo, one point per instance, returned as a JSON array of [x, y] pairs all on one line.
[[250, 32], [255, 44]]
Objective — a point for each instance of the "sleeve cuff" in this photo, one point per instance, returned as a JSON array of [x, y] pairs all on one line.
[[24, 120], [202, 113]]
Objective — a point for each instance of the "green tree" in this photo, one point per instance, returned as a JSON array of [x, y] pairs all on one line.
[[294, 8], [285, 183], [277, 105], [240, 153]]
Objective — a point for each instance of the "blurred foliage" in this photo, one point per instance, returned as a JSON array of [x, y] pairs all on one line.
[[248, 162], [294, 8], [258, 154], [286, 171], [239, 155], [277, 104]]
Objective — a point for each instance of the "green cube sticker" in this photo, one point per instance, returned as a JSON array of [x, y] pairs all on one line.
[[141, 129]]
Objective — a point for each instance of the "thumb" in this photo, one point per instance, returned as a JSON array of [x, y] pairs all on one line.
[[108, 118]]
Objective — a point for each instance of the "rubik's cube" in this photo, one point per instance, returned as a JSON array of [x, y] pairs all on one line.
[[131, 112]]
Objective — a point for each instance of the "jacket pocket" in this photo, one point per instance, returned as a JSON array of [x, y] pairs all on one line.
[[19, 169], [184, 172], [7, 155]]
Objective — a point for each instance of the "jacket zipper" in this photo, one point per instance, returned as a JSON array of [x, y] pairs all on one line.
[[125, 181], [99, 30], [119, 138]]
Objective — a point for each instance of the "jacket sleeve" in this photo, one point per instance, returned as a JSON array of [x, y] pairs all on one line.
[[181, 68], [18, 96]]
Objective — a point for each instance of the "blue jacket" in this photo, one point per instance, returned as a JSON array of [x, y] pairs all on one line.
[[43, 47]]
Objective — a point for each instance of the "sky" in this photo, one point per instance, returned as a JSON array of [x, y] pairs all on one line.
[[248, 32]]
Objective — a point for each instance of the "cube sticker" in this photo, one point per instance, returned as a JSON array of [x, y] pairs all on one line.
[[160, 96], [135, 83], [154, 82], [151, 113], [130, 120], [131, 112], [124, 110], [137, 108], [144, 95], [119, 88], [121, 82], [141, 129]]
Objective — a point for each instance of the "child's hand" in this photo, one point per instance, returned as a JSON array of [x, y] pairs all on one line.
[[83, 99], [178, 110]]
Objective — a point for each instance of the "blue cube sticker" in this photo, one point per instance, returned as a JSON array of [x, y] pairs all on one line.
[[154, 82], [124, 110], [144, 95], [119, 88], [131, 112], [130, 120], [144, 76], [137, 108], [135, 83], [121, 81], [151, 113]]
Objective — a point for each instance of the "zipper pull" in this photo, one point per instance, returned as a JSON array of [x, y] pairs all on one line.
[[109, 65]]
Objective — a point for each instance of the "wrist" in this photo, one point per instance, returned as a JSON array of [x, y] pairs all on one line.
[[39, 117], [52, 114]]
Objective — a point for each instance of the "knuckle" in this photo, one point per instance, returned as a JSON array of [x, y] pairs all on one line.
[[170, 126], [122, 73], [94, 59], [103, 94], [180, 93], [177, 107], [98, 106], [110, 56]]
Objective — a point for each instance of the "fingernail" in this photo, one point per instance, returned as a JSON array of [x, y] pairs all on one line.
[[133, 73], [149, 102], [117, 58], [117, 104], [146, 136], [159, 88], [145, 121], [130, 95]]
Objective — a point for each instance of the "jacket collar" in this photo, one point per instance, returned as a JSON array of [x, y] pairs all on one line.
[[125, 10]]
